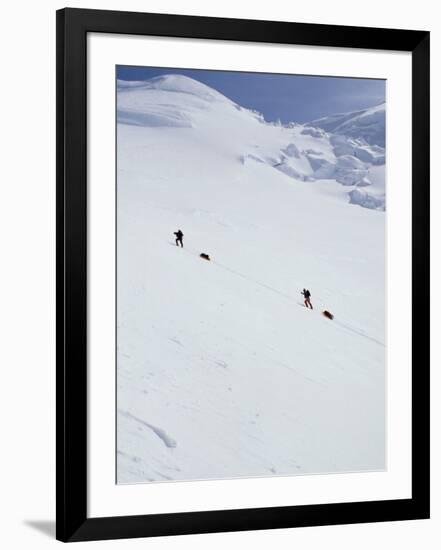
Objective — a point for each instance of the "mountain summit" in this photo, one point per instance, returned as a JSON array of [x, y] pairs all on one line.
[[174, 83]]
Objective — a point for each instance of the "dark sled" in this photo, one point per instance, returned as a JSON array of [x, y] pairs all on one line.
[[204, 256], [328, 315]]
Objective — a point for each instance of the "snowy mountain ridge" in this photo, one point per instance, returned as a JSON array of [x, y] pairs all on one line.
[[367, 124], [174, 83], [302, 152]]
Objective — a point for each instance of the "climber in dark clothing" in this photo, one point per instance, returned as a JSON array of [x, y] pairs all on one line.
[[307, 296], [179, 237]]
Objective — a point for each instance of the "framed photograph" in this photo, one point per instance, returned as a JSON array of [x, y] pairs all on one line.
[[242, 275]]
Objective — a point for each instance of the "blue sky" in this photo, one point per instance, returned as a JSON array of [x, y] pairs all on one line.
[[285, 97]]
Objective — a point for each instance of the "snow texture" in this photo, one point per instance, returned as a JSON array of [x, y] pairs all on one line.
[[368, 124], [221, 370]]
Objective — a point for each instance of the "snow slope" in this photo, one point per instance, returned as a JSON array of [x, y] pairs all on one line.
[[221, 370], [369, 124]]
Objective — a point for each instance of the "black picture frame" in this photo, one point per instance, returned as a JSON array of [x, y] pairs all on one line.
[[73, 25]]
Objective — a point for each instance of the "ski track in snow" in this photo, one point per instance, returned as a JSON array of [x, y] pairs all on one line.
[[358, 332], [263, 285], [345, 326]]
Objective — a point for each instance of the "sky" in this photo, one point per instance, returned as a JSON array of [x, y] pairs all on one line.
[[290, 98]]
